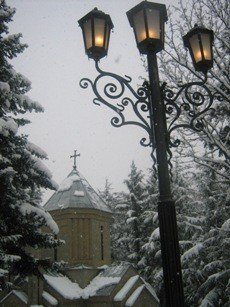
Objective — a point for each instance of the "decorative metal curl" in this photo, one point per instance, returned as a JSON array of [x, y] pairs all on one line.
[[112, 94], [193, 105]]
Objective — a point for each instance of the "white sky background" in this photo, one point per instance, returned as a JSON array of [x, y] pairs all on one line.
[[54, 62]]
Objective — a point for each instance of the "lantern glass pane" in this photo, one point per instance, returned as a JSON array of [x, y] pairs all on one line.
[[139, 26], [153, 19], [205, 38], [99, 28], [107, 37], [195, 46], [88, 34]]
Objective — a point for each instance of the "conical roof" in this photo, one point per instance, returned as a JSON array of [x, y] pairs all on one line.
[[75, 192]]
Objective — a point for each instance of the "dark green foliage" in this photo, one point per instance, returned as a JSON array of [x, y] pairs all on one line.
[[22, 174]]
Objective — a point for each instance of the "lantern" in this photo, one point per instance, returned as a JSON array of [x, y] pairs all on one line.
[[199, 42], [147, 20], [96, 27]]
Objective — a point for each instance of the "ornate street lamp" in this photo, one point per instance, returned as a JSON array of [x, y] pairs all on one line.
[[96, 27], [147, 20], [199, 42], [166, 206]]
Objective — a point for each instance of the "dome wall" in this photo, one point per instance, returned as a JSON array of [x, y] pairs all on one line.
[[87, 236]]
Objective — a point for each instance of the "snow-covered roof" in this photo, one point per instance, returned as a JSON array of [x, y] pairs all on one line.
[[101, 285], [134, 296], [120, 296], [20, 294], [71, 290], [75, 192], [112, 271], [49, 298]]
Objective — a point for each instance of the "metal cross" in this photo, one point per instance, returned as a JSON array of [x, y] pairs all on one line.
[[75, 155]]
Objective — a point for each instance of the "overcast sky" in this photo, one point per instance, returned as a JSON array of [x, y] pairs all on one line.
[[55, 62]]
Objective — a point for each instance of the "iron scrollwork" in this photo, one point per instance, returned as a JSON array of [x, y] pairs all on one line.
[[194, 105], [185, 108], [113, 95]]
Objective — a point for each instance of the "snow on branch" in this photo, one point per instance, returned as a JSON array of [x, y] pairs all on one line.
[[26, 208], [7, 125], [192, 252], [34, 149]]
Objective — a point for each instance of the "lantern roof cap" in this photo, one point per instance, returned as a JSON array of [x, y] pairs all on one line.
[[197, 30], [146, 4], [96, 13]]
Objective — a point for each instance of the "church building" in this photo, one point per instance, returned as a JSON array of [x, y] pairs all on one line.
[[88, 278]]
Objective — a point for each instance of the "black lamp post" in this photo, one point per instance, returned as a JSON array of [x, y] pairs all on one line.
[[147, 20]]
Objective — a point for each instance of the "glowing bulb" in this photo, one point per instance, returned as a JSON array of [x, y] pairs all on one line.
[[99, 41], [198, 55], [206, 54], [152, 34], [142, 36]]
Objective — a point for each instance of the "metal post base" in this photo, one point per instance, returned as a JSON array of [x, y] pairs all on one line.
[[174, 296]]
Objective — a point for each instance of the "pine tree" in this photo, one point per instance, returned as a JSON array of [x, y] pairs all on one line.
[[114, 201], [136, 203], [150, 265], [205, 262], [22, 173], [213, 288], [176, 67], [190, 219]]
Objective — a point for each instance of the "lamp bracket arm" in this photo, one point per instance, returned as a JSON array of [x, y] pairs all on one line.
[[115, 92], [188, 107]]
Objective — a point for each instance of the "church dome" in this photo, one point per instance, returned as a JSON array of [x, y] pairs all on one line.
[[83, 219], [76, 193]]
